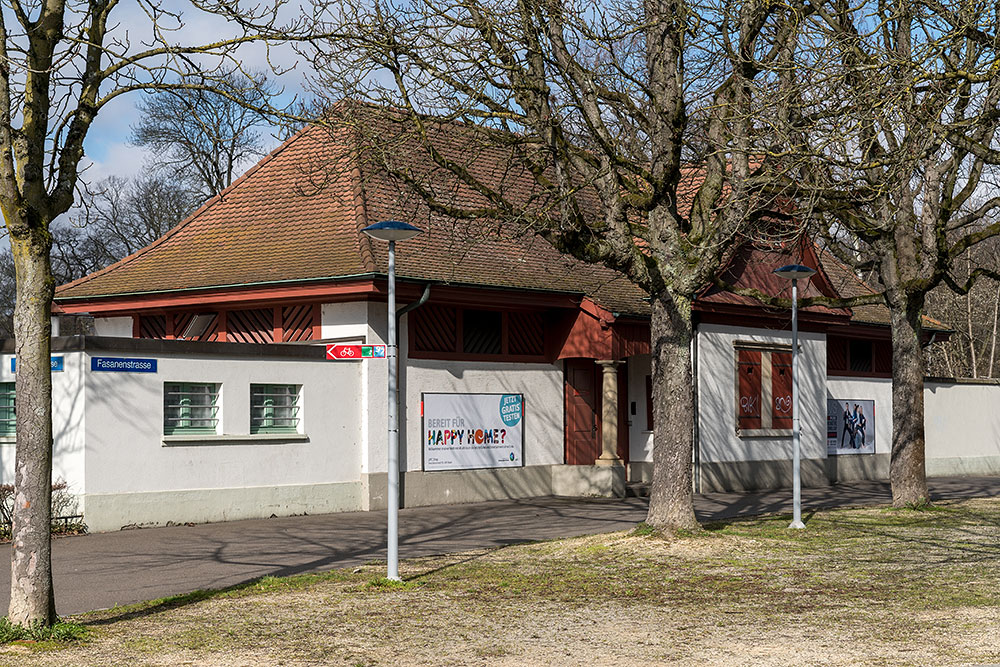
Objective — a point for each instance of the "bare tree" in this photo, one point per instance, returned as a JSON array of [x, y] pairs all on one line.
[[60, 64], [896, 112], [971, 350], [117, 218], [632, 122], [201, 137]]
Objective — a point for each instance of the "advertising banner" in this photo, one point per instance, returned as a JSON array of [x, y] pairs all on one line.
[[466, 431], [850, 426]]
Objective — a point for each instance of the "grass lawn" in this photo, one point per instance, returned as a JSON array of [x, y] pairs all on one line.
[[869, 586]]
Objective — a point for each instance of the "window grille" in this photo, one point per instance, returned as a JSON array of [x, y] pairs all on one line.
[[190, 408], [274, 408], [8, 414]]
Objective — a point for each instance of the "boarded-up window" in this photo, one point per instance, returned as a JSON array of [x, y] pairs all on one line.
[[748, 396]]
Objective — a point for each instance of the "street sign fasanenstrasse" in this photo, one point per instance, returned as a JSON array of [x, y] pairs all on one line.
[[348, 352]]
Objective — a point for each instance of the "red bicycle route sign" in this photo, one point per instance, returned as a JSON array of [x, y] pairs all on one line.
[[341, 352]]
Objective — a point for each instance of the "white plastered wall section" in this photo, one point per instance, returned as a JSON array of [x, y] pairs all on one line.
[[729, 460], [961, 422], [962, 428], [542, 387], [135, 475], [845, 389], [640, 433], [68, 422]]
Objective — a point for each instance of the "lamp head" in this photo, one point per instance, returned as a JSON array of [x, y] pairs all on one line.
[[792, 271], [392, 230]]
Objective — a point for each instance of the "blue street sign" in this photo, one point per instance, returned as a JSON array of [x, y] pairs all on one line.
[[55, 364], [117, 365]]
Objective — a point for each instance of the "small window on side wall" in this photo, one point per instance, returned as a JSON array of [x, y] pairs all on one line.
[[8, 412], [274, 408], [190, 408]]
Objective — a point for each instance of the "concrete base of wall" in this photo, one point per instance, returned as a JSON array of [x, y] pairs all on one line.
[[971, 466], [107, 512], [469, 486], [759, 475], [640, 471], [763, 475], [590, 481]]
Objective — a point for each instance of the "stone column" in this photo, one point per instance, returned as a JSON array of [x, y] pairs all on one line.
[[609, 414]]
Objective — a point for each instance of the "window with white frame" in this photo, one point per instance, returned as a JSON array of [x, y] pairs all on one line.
[[190, 408], [274, 408], [8, 413], [763, 389]]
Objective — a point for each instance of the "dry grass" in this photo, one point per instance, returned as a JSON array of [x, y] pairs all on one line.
[[873, 587]]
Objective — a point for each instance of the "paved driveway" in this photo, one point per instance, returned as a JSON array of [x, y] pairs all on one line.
[[97, 571]]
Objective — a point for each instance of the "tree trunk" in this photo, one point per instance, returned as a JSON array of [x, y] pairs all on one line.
[[671, 502], [907, 472], [31, 595]]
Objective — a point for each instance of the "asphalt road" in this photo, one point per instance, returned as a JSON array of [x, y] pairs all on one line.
[[100, 571]]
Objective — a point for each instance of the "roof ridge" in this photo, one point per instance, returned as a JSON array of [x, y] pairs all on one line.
[[360, 197], [198, 212]]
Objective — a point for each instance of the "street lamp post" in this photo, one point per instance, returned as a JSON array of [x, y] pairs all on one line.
[[392, 231], [793, 272]]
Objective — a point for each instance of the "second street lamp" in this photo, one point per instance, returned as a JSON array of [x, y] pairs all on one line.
[[793, 272], [392, 231]]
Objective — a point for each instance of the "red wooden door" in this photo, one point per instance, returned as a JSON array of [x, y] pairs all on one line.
[[583, 428]]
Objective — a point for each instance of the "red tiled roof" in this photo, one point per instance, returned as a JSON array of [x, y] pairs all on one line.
[[297, 215]]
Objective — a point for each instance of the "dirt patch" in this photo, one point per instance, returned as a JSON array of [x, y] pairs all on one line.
[[857, 587]]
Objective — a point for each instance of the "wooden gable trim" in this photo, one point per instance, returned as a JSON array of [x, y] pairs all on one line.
[[232, 299]]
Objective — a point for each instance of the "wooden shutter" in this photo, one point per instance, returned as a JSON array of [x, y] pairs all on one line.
[[781, 390], [748, 385]]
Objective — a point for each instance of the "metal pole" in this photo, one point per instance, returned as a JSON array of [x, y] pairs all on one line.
[[796, 424], [392, 548]]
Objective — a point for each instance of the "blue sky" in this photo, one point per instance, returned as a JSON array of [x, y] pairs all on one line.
[[107, 148]]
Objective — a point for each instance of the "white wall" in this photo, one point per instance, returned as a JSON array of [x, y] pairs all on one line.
[[541, 384], [718, 439], [962, 420], [868, 389], [640, 434], [126, 451], [117, 327], [67, 424]]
